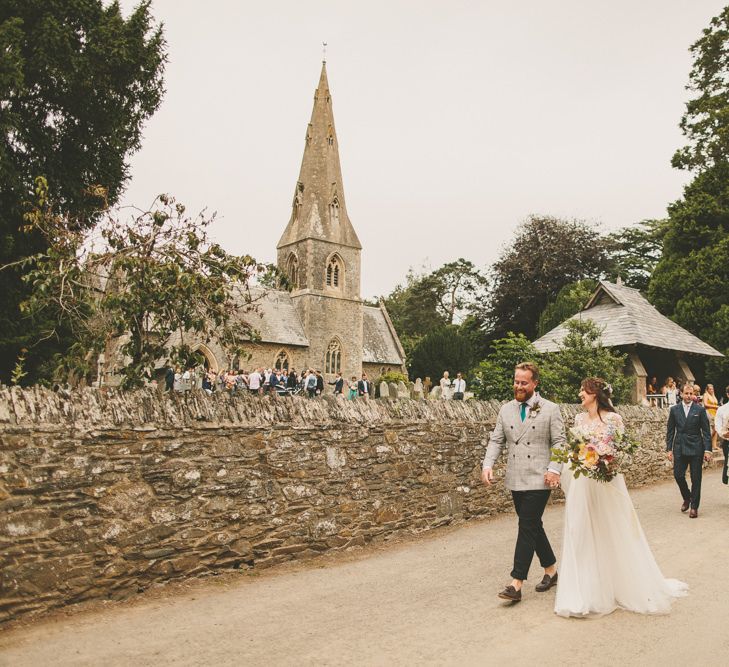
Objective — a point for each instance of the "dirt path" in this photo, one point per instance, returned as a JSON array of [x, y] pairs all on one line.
[[426, 601]]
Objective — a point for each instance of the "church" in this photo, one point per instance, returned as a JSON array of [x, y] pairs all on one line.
[[322, 322]]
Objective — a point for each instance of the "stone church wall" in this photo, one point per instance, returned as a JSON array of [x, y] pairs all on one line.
[[105, 494]]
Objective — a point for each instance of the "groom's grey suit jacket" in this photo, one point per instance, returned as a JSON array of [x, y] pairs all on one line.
[[528, 444]]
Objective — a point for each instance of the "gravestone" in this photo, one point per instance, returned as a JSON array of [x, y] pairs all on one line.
[[435, 393], [402, 390], [393, 390], [384, 390]]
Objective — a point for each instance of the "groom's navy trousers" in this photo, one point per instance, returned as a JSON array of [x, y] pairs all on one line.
[[529, 508]]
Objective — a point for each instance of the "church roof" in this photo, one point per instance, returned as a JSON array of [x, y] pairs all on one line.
[[626, 318], [379, 342], [275, 318], [319, 210]]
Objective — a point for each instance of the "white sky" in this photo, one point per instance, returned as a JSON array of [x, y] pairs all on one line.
[[455, 119]]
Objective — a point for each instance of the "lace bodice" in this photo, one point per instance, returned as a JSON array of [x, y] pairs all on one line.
[[612, 420]]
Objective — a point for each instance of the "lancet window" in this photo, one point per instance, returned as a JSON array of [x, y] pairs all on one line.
[[335, 272], [333, 359], [292, 270], [282, 361]]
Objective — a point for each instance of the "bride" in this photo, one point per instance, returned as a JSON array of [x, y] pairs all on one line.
[[606, 560]]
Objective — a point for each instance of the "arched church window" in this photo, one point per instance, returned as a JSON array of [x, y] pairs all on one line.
[[292, 270], [335, 272], [282, 361], [333, 359], [334, 211]]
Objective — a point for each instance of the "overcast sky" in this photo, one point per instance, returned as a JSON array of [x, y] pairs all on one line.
[[455, 119]]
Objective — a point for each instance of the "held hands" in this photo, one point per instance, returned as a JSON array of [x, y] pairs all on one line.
[[551, 479], [487, 476], [670, 455], [708, 457]]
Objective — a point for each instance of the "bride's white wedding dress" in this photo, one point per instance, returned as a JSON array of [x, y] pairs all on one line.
[[606, 561]]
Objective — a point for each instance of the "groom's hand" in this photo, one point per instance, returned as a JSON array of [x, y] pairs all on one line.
[[670, 455], [487, 476], [708, 457]]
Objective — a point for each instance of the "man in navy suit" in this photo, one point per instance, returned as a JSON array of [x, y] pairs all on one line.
[[688, 440]]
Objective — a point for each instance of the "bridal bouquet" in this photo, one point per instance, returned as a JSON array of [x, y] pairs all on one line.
[[599, 457]]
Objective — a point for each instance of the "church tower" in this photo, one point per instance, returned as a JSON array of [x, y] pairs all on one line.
[[319, 250]]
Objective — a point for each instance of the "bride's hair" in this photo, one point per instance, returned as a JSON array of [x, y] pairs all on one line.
[[602, 392]]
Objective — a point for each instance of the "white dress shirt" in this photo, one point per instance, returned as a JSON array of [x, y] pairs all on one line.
[[721, 421]]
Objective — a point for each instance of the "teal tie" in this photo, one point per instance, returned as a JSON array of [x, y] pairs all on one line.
[[523, 411]]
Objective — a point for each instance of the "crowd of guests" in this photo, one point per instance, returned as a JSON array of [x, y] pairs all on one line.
[[670, 393], [263, 381]]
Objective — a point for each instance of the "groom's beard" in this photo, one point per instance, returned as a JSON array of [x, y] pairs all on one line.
[[522, 395]]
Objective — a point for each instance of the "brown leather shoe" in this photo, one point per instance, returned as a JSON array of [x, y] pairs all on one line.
[[693, 513], [685, 505], [510, 593], [546, 583]]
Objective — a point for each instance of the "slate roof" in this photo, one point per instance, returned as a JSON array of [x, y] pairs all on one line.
[[626, 318], [379, 344], [275, 318]]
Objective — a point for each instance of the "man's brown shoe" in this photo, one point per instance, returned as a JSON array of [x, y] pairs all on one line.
[[546, 583], [685, 505], [510, 593], [693, 513]]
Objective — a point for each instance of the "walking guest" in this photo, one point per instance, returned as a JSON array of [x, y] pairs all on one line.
[[363, 387], [427, 385], [352, 388], [255, 381], [338, 383], [310, 383], [711, 404], [319, 383], [688, 437], [292, 381], [721, 426], [459, 387]]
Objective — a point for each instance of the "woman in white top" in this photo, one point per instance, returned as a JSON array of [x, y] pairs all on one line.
[[671, 391]]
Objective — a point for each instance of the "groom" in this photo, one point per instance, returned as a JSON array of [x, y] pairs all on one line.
[[529, 426]]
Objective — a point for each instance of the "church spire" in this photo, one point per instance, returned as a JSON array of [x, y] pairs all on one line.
[[318, 208]]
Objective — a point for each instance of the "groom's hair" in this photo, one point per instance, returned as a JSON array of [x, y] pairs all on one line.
[[531, 367]]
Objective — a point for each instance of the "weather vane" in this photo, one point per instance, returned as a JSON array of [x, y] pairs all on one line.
[[324, 51]]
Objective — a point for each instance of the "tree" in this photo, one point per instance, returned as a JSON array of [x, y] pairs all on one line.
[[156, 283], [635, 251], [445, 349], [429, 301], [571, 299], [546, 255], [582, 355], [690, 281], [706, 121], [77, 83], [493, 378], [459, 287]]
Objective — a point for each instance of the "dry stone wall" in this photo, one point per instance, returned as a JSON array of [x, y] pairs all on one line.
[[104, 494]]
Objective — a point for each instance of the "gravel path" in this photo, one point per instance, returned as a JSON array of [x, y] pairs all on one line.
[[429, 600]]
